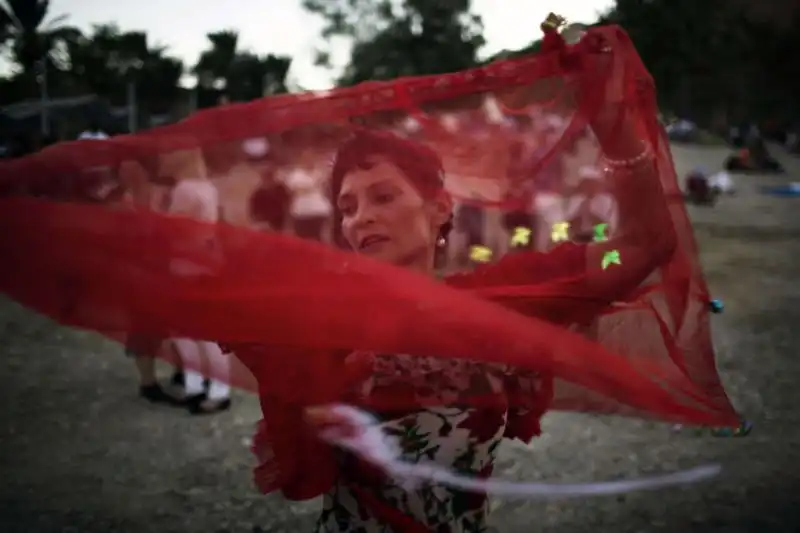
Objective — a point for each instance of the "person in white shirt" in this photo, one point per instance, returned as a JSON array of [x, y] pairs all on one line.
[[588, 205], [591, 205], [310, 207], [195, 196]]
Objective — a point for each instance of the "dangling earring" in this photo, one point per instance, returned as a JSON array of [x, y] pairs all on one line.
[[441, 242]]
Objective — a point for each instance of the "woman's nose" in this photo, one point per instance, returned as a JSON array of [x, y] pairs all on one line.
[[364, 216]]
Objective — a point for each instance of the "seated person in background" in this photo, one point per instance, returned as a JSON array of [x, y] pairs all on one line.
[[754, 157], [698, 187], [722, 183]]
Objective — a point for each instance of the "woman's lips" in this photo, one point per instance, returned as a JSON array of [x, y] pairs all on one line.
[[372, 241]]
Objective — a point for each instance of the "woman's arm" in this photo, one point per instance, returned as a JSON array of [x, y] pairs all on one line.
[[647, 239], [570, 282]]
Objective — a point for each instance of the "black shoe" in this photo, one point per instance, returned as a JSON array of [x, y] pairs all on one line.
[[155, 394], [199, 404], [178, 379]]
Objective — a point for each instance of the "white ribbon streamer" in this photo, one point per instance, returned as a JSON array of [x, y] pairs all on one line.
[[360, 433]]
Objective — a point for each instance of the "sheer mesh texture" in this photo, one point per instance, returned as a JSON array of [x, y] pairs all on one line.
[[582, 283]]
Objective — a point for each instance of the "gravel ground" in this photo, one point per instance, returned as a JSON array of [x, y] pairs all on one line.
[[80, 453]]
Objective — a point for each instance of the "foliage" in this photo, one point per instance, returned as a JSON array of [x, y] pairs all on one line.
[[33, 37], [240, 75], [33, 41], [392, 38], [119, 65], [108, 60], [716, 61]]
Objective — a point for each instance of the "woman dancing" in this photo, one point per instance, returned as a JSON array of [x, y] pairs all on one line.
[[391, 205]]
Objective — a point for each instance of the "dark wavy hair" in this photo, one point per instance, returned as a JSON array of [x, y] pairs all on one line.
[[421, 165]]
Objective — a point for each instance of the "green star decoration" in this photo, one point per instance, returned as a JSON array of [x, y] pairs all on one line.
[[600, 232], [611, 257]]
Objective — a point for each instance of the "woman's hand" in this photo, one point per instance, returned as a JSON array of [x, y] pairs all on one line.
[[610, 57]]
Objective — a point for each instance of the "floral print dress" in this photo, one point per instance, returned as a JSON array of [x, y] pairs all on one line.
[[464, 440]]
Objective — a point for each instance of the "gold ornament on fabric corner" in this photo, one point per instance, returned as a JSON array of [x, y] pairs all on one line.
[[571, 33], [553, 22]]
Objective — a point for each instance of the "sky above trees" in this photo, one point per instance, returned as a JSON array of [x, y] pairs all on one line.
[[286, 28]]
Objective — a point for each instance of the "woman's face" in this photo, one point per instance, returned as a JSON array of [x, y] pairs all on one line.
[[384, 215]]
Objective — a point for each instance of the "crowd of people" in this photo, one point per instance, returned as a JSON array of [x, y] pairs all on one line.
[[275, 184]]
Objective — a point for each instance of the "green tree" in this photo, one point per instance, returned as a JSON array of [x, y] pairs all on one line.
[[6, 26], [775, 14], [718, 62], [215, 64], [110, 63], [252, 76], [691, 48], [715, 61], [238, 75], [400, 38], [36, 43]]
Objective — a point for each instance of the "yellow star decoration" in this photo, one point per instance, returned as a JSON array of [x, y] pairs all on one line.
[[560, 232], [480, 254], [521, 236]]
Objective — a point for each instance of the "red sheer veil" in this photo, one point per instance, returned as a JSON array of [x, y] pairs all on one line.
[[615, 326]]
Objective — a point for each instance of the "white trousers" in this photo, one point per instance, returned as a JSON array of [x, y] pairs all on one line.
[[194, 354]]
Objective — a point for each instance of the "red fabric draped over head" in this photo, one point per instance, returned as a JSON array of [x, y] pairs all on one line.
[[617, 326]]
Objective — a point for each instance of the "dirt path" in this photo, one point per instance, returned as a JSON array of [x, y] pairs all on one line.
[[79, 453]]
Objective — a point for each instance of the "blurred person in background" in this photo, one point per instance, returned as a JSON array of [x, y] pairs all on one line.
[[545, 177], [590, 206], [468, 223], [269, 204], [310, 207], [698, 187], [195, 196], [233, 173], [722, 183], [93, 131], [136, 188]]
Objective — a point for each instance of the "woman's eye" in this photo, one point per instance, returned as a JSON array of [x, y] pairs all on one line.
[[347, 210], [384, 197]]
